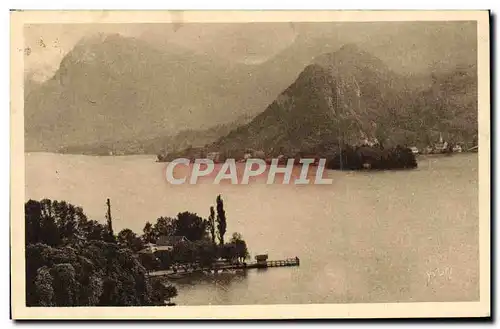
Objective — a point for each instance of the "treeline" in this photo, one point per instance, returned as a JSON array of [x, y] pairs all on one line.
[[206, 240], [74, 261], [373, 157]]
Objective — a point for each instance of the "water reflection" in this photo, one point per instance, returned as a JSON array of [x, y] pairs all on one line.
[[223, 278]]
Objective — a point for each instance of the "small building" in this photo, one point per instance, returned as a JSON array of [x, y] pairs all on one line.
[[427, 150], [259, 154], [457, 148], [170, 241], [251, 153], [441, 146], [151, 248], [261, 258], [214, 156]]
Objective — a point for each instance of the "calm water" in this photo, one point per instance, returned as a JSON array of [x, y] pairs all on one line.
[[368, 237]]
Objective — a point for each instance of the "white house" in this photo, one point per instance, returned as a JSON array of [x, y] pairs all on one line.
[[164, 243]]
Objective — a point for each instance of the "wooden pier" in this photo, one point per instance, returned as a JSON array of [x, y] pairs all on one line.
[[280, 263], [184, 271]]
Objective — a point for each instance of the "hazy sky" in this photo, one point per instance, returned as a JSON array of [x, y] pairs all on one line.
[[405, 45]]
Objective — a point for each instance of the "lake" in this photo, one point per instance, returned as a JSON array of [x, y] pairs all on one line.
[[395, 236]]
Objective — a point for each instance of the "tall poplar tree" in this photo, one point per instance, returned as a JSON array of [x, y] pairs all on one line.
[[221, 220]]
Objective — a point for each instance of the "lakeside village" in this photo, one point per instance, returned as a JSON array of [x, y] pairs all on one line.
[[366, 155], [74, 261]]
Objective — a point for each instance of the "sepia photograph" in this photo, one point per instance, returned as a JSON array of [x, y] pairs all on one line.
[[253, 165]]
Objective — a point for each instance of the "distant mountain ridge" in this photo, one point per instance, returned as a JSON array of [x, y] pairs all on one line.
[[115, 90], [158, 145], [349, 95]]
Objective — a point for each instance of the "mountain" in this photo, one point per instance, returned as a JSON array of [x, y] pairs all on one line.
[[340, 93], [448, 107], [111, 88], [158, 145], [349, 95], [30, 84], [116, 90], [192, 138]]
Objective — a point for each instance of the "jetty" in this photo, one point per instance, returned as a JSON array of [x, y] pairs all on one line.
[[261, 262]]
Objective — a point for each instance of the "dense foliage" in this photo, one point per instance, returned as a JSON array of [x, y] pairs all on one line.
[[356, 158], [201, 247], [221, 220], [74, 261], [70, 261]]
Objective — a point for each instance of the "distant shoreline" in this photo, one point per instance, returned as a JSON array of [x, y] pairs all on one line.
[[155, 155], [90, 155]]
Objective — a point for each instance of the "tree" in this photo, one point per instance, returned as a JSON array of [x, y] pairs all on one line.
[[64, 216], [69, 263], [162, 291], [184, 253], [34, 261], [64, 284], [190, 225], [43, 286], [206, 252], [211, 224], [97, 273], [54, 222], [65, 224], [221, 220], [42, 222], [148, 233], [32, 215], [239, 249], [93, 230], [110, 236], [49, 232], [164, 226], [129, 239]]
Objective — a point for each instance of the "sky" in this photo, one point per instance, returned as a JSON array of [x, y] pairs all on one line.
[[406, 45]]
